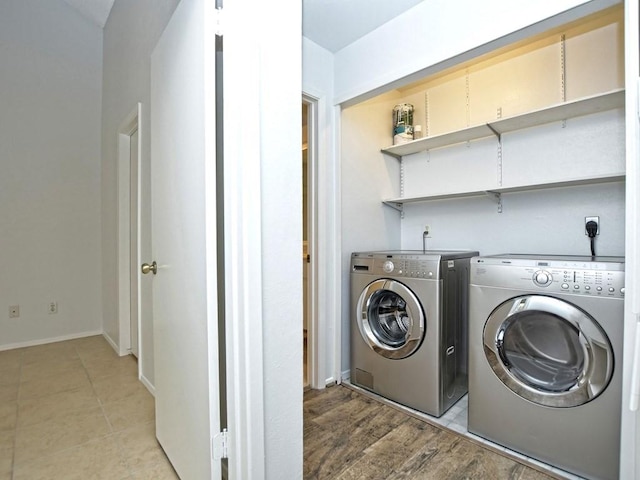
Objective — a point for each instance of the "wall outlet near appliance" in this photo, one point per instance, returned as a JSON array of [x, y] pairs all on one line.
[[592, 219], [52, 308]]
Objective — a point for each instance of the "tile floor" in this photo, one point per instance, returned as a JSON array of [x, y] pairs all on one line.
[[75, 410]]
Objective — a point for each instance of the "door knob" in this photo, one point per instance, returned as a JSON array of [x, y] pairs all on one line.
[[146, 268]]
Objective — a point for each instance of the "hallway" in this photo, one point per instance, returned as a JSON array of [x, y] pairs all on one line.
[[75, 410]]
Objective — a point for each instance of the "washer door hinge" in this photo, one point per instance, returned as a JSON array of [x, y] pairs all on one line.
[[219, 445], [219, 22]]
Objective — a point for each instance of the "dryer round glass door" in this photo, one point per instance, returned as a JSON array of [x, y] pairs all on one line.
[[548, 351], [390, 318]]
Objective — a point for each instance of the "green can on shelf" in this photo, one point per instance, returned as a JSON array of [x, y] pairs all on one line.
[[402, 123]]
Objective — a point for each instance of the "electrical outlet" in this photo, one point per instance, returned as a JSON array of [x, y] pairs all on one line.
[[592, 219], [52, 308], [427, 230], [14, 311]]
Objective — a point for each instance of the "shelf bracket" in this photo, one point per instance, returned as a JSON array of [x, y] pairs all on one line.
[[391, 154], [495, 132], [497, 197], [396, 206]]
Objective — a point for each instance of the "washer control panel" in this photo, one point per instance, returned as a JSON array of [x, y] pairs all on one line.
[[406, 267], [429, 265], [577, 277]]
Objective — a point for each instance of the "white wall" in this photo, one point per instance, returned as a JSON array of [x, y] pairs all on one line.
[[439, 33], [130, 34], [263, 237], [50, 90], [547, 221]]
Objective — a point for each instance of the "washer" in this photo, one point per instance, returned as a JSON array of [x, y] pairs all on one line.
[[545, 358], [409, 326]]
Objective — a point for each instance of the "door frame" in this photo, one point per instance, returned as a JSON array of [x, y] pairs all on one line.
[[630, 421], [315, 358], [128, 126], [324, 242]]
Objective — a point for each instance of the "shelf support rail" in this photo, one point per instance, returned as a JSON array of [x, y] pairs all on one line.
[[497, 197], [499, 135]]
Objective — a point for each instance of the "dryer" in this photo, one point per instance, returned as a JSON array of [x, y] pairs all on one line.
[[409, 326], [545, 358]]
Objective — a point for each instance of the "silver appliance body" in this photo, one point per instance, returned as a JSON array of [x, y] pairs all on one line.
[[545, 358], [409, 326]]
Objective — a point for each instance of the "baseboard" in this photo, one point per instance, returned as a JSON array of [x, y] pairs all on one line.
[[44, 341], [145, 381], [110, 341], [346, 376], [115, 346], [329, 382]]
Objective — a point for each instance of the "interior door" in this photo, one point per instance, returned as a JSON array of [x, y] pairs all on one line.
[[134, 275], [184, 239]]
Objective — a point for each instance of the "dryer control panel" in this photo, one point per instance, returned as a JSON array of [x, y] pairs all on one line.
[[576, 275]]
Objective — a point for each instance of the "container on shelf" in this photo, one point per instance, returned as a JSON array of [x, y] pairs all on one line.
[[402, 123]]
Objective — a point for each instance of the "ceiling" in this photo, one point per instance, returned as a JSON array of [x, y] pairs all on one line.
[[95, 10], [332, 24]]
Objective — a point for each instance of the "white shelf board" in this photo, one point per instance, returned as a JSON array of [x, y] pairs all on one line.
[[450, 138], [398, 202], [563, 111], [615, 177]]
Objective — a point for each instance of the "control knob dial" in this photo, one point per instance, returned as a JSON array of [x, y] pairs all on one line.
[[388, 266], [542, 278]]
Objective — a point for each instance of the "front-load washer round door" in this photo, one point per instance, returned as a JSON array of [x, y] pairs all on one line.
[[390, 318], [548, 351]]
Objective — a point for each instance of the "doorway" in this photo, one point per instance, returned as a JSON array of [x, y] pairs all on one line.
[[135, 316], [309, 243], [305, 243], [134, 214]]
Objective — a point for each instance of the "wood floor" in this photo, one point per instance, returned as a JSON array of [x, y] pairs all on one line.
[[351, 436]]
